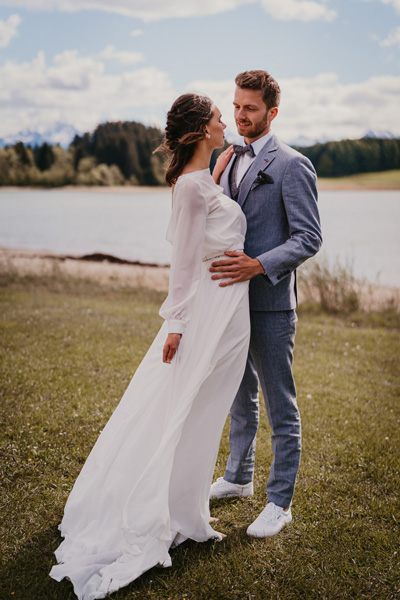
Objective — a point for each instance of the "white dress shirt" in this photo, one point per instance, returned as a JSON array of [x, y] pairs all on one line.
[[245, 160]]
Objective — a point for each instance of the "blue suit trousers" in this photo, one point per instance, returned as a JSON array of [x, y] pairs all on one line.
[[270, 364]]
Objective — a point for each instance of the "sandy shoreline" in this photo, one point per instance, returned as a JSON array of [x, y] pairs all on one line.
[[132, 275], [109, 274]]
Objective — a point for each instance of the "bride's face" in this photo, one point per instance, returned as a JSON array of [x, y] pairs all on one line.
[[215, 128]]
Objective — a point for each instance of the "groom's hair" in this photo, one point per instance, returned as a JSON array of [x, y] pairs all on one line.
[[261, 80]]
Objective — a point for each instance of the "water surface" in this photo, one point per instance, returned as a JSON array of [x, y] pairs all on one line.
[[360, 226]]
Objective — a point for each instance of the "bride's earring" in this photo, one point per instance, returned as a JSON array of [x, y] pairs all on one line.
[[208, 136]]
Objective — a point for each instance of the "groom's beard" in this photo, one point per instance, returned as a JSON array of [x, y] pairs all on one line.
[[256, 129]]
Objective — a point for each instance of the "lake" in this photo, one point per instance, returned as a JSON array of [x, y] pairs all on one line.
[[358, 226]]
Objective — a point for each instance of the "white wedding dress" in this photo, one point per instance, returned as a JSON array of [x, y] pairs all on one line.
[[145, 484]]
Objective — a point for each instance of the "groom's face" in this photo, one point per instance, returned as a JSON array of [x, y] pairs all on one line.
[[252, 117]]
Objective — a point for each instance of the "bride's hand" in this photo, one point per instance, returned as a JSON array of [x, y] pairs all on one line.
[[171, 346], [221, 164]]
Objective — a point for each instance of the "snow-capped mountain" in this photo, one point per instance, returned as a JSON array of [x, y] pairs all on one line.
[[382, 135], [303, 141], [64, 134], [60, 134]]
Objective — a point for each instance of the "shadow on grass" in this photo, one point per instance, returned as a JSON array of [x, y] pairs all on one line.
[[26, 577]]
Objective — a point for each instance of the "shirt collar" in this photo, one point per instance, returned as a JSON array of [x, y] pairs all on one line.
[[258, 144]]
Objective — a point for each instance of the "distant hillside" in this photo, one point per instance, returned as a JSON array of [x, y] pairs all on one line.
[[336, 159], [303, 141], [114, 154], [122, 153]]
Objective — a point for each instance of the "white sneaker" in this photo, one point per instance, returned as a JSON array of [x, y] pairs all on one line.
[[224, 489], [272, 519]]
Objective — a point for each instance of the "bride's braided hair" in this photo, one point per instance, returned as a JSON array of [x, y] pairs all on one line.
[[186, 125]]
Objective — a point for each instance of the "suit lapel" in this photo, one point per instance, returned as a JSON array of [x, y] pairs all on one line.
[[263, 160]]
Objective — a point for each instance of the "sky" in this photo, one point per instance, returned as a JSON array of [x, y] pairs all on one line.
[[78, 63]]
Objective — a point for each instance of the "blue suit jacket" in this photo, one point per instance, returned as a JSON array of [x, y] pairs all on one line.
[[283, 224]]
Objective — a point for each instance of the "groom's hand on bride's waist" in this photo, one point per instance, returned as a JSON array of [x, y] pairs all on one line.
[[236, 267]]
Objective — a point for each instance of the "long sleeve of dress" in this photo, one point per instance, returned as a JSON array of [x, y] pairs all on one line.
[[186, 232]]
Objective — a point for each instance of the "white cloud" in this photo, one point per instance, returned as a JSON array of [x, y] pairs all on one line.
[[8, 29], [321, 107], [76, 90], [122, 56], [394, 3], [154, 10], [288, 10], [393, 39], [73, 72], [147, 10], [136, 32]]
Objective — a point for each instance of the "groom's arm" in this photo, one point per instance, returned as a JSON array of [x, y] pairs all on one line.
[[299, 193]]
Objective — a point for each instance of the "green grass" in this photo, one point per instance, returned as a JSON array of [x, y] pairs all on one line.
[[382, 180], [68, 351]]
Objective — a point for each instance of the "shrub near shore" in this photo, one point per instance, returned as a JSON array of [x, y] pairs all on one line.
[[69, 348]]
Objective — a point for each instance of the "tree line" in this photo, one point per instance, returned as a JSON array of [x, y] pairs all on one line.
[[347, 157], [122, 154], [114, 154]]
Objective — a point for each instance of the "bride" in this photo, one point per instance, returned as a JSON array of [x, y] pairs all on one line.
[[145, 485]]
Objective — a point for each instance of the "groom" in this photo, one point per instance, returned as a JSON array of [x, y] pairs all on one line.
[[276, 188]]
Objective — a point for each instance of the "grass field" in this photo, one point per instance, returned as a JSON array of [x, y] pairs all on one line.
[[384, 180], [68, 351]]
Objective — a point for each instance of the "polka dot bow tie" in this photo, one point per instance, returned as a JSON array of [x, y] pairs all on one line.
[[240, 150]]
